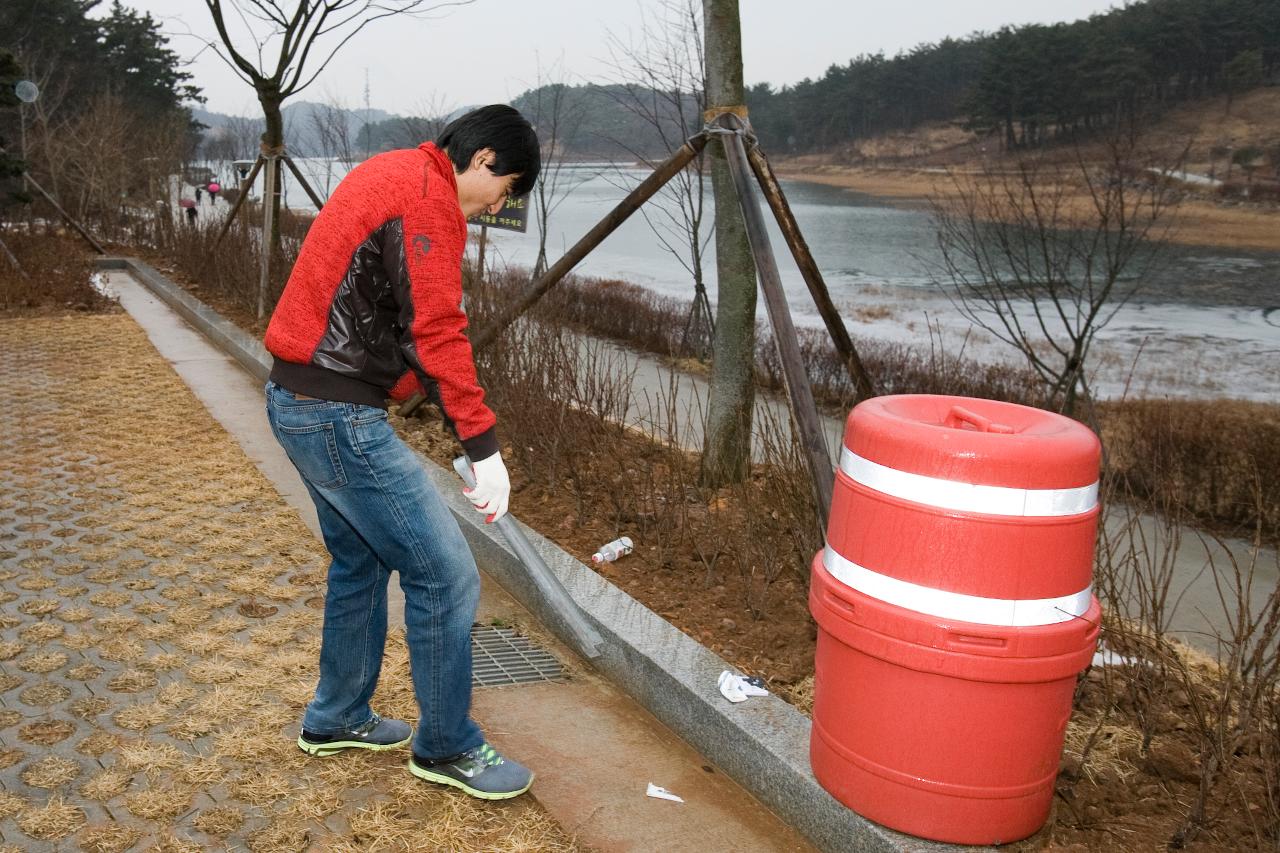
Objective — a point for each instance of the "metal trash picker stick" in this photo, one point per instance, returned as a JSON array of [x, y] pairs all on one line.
[[586, 638]]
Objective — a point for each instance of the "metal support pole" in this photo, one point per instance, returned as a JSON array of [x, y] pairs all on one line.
[[268, 218], [809, 270], [584, 635], [803, 410], [484, 238], [297, 173], [245, 186], [629, 205]]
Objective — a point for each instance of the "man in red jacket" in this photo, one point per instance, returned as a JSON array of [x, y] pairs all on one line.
[[373, 310]]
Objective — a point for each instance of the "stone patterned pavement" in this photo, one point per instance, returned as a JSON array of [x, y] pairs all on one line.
[[159, 630]]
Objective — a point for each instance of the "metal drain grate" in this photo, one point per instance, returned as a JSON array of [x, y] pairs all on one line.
[[500, 656]]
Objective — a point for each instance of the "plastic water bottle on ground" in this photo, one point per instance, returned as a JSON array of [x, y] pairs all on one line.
[[615, 549]]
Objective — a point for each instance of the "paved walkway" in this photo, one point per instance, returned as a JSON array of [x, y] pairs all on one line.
[[158, 636]]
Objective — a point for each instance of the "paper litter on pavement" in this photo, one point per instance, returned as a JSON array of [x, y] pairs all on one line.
[[660, 793]]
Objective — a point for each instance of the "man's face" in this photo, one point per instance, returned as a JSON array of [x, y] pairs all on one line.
[[479, 189]]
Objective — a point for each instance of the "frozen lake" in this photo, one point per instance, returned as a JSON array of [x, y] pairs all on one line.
[[1206, 322]]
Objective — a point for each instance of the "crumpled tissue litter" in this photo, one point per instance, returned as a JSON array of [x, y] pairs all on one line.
[[737, 688]]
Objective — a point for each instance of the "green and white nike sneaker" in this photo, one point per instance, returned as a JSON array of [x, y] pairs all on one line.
[[376, 734], [481, 772]]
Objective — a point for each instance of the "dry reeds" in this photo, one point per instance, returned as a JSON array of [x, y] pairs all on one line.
[[1212, 459]]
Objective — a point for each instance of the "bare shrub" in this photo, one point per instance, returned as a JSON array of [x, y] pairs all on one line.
[[1042, 259], [230, 269], [109, 166], [584, 429], [52, 273], [1217, 702], [1207, 457]]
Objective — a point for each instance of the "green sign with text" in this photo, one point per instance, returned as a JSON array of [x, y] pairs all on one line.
[[514, 216]]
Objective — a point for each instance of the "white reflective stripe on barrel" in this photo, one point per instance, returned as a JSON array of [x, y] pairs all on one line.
[[956, 605], [971, 497]]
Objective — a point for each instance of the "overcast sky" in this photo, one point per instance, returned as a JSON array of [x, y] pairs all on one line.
[[490, 50]]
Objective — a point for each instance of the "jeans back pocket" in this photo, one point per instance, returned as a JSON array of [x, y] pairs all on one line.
[[313, 449]]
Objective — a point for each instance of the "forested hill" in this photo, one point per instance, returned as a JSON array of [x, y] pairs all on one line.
[[1030, 85], [1034, 83]]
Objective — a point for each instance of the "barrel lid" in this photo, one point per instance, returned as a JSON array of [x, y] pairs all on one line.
[[971, 440]]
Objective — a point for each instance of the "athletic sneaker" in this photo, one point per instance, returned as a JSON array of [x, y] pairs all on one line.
[[377, 734], [481, 772]]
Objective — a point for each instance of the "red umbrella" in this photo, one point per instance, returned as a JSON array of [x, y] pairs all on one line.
[[186, 202], [213, 187]]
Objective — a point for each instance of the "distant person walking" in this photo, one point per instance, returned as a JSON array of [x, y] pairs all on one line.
[[213, 188], [199, 193], [189, 207]]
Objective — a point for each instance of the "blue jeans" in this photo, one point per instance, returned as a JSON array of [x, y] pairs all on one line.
[[378, 513]]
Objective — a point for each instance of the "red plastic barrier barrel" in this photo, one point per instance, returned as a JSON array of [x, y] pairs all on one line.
[[954, 610]]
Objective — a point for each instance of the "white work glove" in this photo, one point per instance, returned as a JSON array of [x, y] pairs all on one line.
[[493, 487]]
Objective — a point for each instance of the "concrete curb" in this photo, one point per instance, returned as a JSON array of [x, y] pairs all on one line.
[[227, 336], [762, 744]]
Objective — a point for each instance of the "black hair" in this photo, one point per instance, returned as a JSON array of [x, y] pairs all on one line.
[[503, 129]]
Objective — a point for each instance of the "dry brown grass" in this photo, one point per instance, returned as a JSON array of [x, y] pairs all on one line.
[[43, 662], [55, 819], [222, 820], [158, 803], [57, 276], [99, 743], [46, 732], [52, 771], [215, 707], [107, 784], [108, 838], [10, 804]]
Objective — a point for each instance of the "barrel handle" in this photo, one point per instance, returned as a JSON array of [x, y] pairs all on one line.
[[836, 602], [975, 641], [960, 415]]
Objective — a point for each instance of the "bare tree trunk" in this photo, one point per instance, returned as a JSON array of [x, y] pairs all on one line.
[[272, 144], [726, 450]]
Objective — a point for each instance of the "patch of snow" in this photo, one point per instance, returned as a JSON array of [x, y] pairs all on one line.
[[100, 283]]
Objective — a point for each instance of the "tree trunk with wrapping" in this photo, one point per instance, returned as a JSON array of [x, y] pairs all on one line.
[[726, 450]]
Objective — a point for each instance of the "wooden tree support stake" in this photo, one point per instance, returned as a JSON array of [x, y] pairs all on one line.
[[629, 205], [244, 193], [76, 225], [297, 173], [268, 215], [13, 259], [809, 270], [803, 410]]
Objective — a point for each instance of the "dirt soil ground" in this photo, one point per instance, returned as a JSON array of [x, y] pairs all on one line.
[[1119, 799]]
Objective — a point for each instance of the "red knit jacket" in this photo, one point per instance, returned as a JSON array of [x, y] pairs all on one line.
[[373, 305]]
